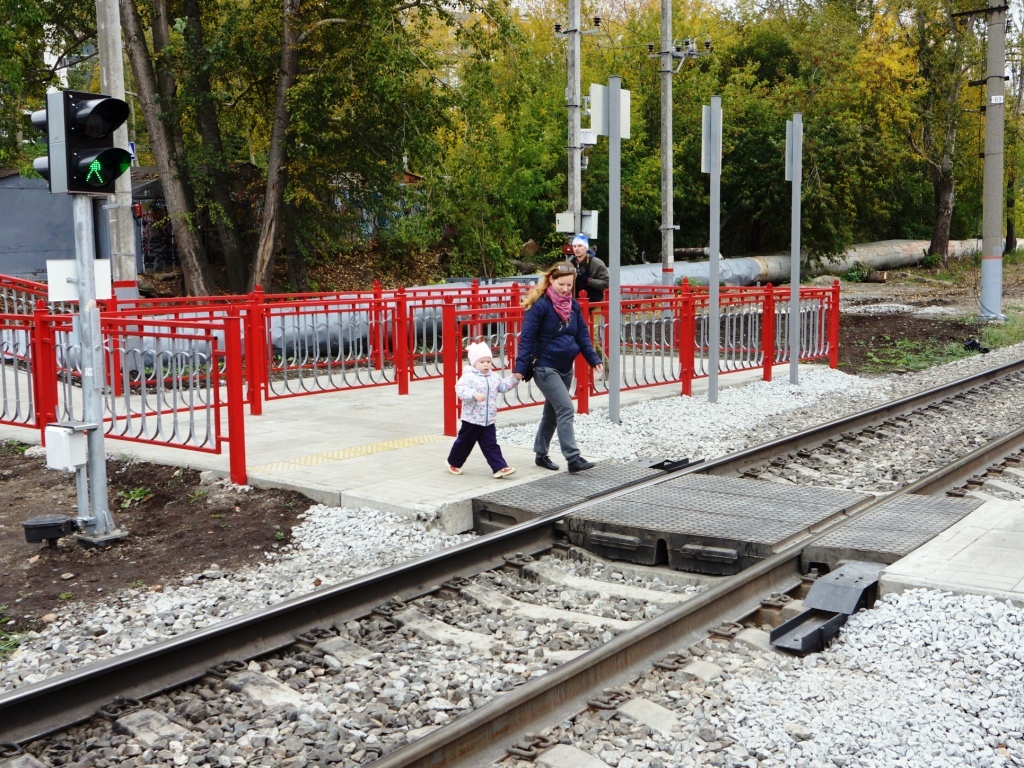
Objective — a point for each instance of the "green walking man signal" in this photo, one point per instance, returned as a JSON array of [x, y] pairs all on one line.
[[81, 157]]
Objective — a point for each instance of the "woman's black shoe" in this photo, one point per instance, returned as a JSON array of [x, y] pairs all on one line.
[[580, 464], [546, 462]]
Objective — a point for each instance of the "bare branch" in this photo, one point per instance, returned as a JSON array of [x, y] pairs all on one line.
[[305, 35]]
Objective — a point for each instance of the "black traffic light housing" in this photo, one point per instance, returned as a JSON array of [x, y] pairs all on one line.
[[82, 158]]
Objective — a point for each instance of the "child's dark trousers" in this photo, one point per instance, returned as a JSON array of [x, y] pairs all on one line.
[[470, 435]]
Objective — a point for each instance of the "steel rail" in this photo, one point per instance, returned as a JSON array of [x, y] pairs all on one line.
[[37, 709], [483, 735], [735, 463]]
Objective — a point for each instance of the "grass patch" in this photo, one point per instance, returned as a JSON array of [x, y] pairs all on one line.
[[1004, 334], [8, 642], [887, 354]]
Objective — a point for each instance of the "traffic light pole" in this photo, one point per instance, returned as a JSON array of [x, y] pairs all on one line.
[[97, 529]]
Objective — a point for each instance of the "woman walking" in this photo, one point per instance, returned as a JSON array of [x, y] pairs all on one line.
[[554, 332]]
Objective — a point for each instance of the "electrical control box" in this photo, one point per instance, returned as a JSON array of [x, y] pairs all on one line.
[[65, 447]]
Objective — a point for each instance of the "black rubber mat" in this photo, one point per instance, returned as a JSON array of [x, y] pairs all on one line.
[[890, 532], [705, 523], [549, 494]]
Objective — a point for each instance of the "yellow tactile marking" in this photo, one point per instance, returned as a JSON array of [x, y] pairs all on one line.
[[342, 454]]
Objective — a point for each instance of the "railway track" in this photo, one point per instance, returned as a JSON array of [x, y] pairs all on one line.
[[561, 681]]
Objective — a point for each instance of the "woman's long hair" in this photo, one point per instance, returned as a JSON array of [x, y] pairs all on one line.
[[557, 269]]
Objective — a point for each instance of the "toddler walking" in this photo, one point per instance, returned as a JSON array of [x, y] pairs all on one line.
[[478, 389]]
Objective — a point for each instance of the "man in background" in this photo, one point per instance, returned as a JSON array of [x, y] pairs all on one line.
[[591, 272]]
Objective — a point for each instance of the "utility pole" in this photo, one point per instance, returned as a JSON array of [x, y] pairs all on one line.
[[992, 193], [573, 101], [669, 53], [122, 225], [572, 98], [667, 227]]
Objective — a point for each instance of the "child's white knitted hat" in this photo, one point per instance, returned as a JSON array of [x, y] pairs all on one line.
[[478, 352]]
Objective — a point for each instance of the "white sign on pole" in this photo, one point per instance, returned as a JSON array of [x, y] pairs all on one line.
[[62, 279], [599, 111]]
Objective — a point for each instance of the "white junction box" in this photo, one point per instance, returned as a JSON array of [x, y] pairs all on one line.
[[65, 447]]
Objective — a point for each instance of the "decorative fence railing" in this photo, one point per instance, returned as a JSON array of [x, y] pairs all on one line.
[[663, 339], [178, 369]]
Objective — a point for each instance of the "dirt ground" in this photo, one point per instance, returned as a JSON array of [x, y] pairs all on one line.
[[179, 526]]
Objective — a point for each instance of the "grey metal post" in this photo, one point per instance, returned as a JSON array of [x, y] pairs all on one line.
[[572, 98], [614, 256], [122, 225], [794, 173], [99, 524], [992, 194], [712, 162], [667, 227]]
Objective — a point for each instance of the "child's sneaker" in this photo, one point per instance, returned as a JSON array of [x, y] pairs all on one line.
[[504, 472], [454, 470]]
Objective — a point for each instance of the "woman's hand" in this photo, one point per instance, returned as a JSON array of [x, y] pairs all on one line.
[[518, 376], [599, 368]]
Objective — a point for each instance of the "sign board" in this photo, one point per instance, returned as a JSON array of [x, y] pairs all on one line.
[[62, 279], [599, 111], [564, 223]]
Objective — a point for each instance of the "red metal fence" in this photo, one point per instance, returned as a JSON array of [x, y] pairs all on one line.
[[183, 369]]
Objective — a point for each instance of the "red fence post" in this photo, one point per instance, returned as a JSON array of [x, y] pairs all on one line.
[[768, 332], [451, 357], [235, 396], [833, 327], [686, 341], [256, 335], [403, 341], [584, 381], [43, 382]]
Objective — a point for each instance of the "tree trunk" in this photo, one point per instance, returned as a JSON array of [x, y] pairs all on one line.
[[220, 191], [298, 274], [1011, 226], [277, 159], [195, 267], [945, 193], [168, 86]]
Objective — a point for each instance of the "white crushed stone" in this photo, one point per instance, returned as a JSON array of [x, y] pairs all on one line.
[[965, 676]]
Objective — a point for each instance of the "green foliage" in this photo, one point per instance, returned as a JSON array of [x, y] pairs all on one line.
[[903, 354], [1007, 333], [857, 273], [134, 496], [470, 96], [9, 642]]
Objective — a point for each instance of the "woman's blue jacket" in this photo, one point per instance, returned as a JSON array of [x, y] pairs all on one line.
[[568, 339]]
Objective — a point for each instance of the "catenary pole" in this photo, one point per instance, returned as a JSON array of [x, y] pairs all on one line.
[[667, 227], [123, 266], [572, 98], [992, 193]]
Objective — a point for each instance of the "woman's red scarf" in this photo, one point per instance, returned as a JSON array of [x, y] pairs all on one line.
[[562, 304]]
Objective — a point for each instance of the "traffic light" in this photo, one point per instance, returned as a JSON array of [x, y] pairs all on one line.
[[80, 127]]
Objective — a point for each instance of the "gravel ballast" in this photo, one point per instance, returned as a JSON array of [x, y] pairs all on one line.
[[923, 650]]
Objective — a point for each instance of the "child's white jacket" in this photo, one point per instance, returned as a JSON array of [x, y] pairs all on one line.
[[474, 382]]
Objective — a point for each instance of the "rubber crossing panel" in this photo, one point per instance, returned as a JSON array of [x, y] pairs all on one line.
[[892, 531], [707, 524], [519, 503]]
